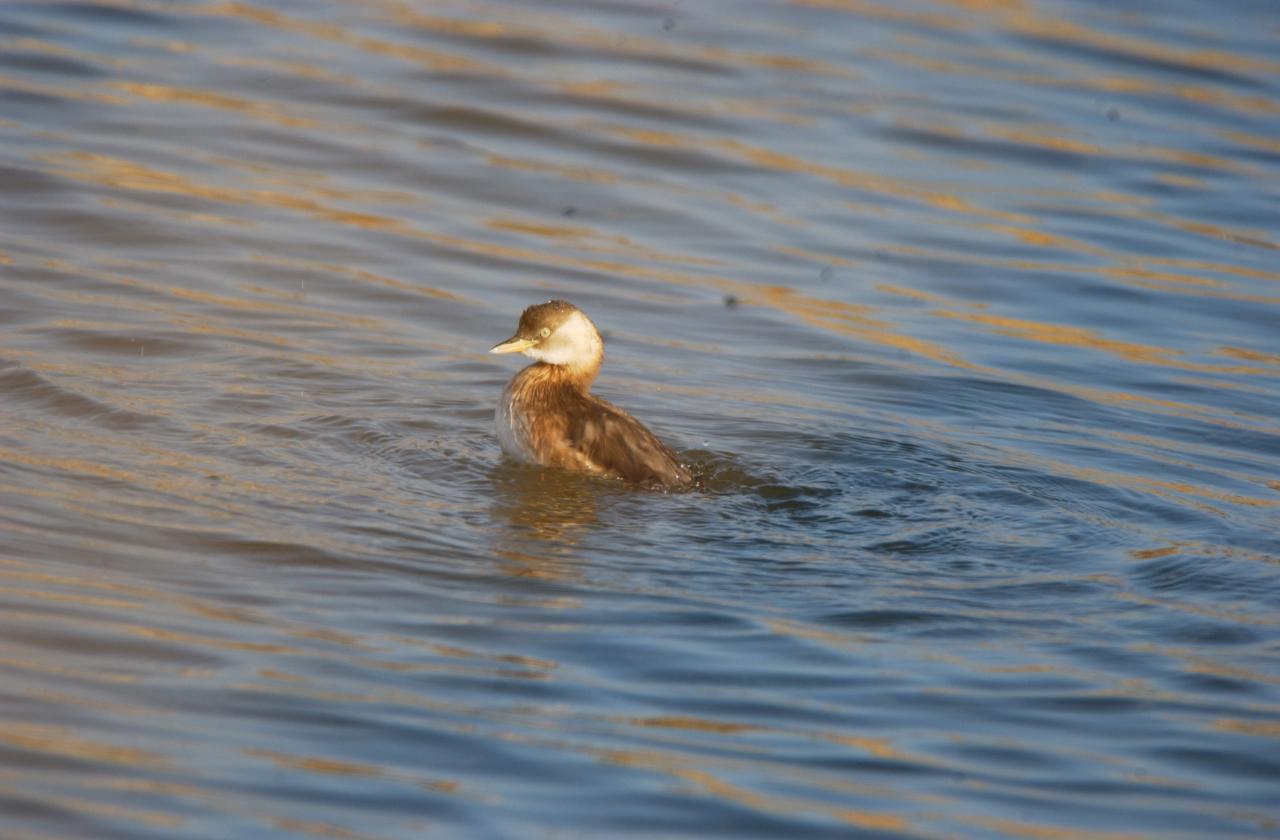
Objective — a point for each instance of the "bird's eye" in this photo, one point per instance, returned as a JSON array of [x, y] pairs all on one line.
[[546, 331]]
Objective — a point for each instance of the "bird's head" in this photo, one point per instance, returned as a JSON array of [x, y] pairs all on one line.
[[557, 333]]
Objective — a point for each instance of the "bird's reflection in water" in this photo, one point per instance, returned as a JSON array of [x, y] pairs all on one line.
[[544, 512]]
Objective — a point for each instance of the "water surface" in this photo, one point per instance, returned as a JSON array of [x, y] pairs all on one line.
[[968, 310]]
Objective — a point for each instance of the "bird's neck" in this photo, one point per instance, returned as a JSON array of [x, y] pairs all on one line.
[[577, 376]]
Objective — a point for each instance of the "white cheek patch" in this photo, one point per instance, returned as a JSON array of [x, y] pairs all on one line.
[[561, 354]]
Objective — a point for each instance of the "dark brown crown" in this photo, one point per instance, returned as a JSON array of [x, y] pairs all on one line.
[[550, 314]]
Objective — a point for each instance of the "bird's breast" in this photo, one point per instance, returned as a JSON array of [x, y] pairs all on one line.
[[512, 424]]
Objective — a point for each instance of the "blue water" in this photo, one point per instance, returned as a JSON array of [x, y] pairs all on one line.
[[967, 311]]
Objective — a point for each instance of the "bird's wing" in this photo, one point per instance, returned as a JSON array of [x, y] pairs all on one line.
[[614, 442]]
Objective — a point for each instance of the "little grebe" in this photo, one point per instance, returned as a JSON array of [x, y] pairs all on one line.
[[547, 415]]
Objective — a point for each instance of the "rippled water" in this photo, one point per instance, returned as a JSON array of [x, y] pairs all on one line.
[[969, 309]]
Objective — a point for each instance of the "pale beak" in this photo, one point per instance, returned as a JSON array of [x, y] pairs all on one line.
[[515, 344]]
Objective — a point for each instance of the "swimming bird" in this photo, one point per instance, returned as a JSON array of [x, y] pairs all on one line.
[[548, 416]]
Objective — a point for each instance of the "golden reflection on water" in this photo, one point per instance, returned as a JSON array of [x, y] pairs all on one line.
[[434, 60], [717, 786], [572, 172], [1266, 729], [330, 767], [877, 747], [77, 805], [1027, 20], [363, 275], [263, 110], [569, 32], [543, 515], [591, 240], [61, 741]]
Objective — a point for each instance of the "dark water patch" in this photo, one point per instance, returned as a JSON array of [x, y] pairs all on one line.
[[636, 109], [1083, 705], [1263, 156], [1022, 760], [506, 43], [110, 342], [1199, 633], [54, 65], [886, 619], [469, 120], [21, 385], [1216, 684], [97, 14], [1207, 575], [1004, 151], [158, 653], [1243, 767], [31, 184], [275, 554], [16, 95], [938, 540], [1152, 64]]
